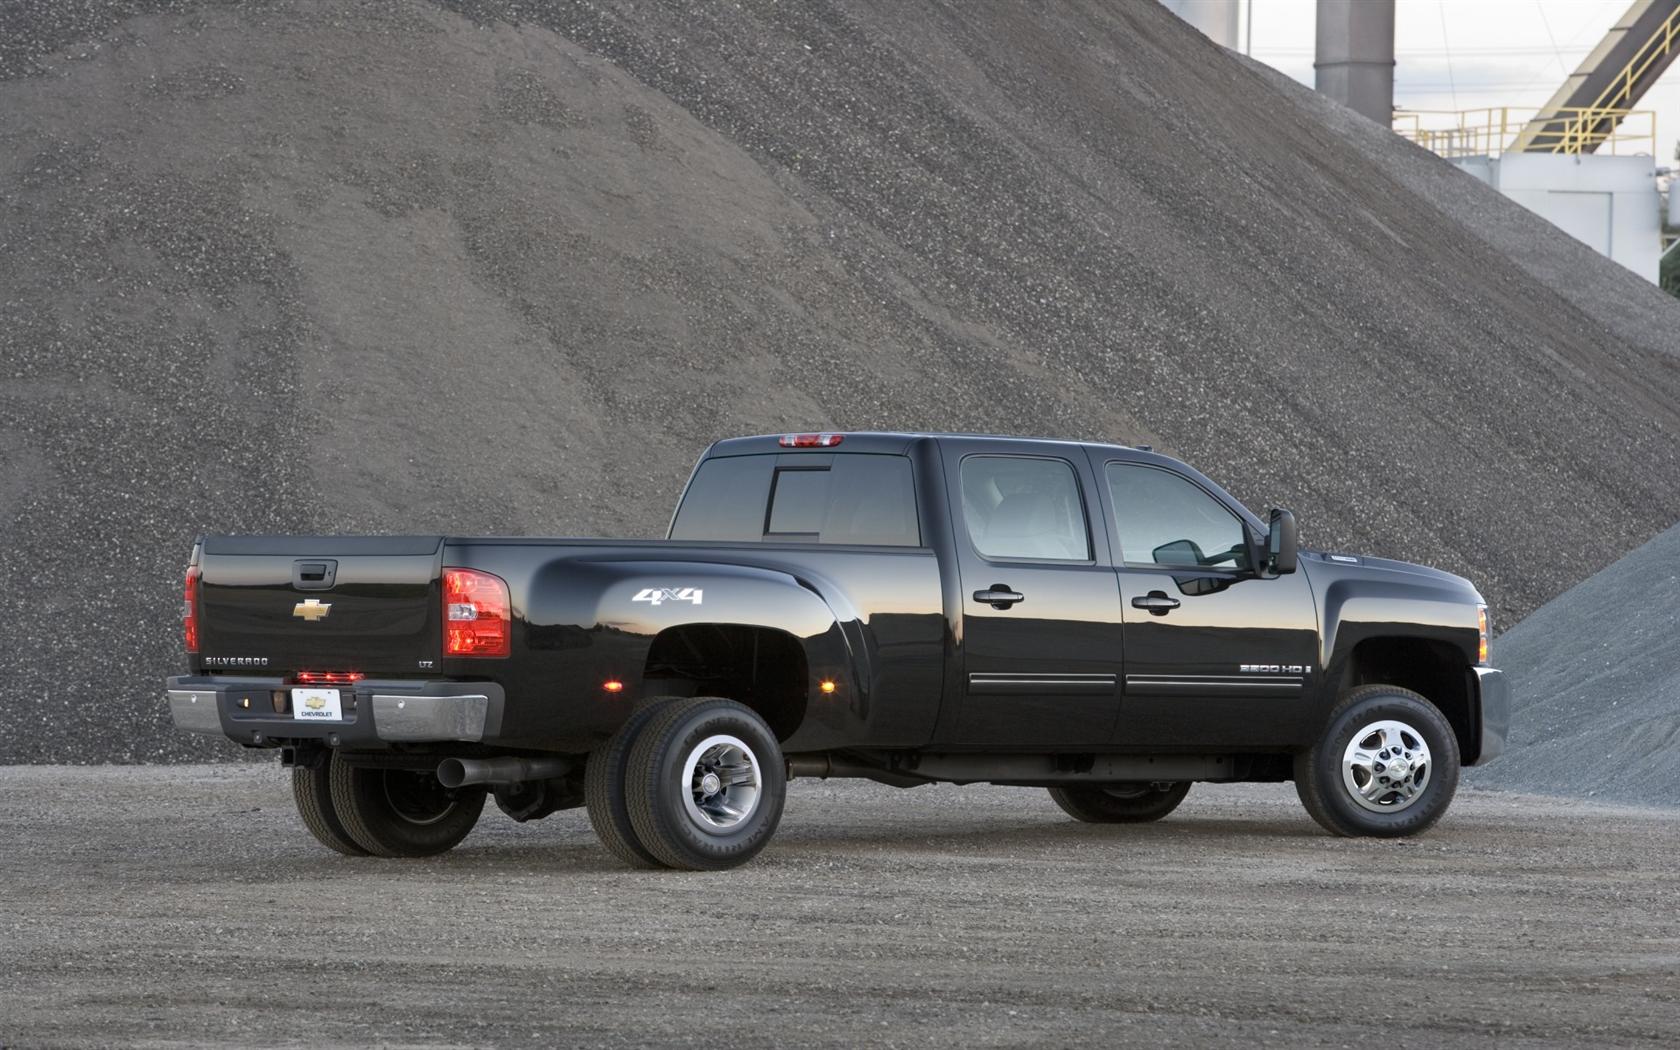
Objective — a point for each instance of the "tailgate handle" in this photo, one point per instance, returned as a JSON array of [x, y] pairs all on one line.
[[314, 575]]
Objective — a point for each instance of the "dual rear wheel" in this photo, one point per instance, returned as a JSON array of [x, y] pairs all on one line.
[[693, 783], [368, 811], [696, 784]]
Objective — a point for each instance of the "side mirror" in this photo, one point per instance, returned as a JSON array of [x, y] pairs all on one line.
[[1282, 543], [1180, 554]]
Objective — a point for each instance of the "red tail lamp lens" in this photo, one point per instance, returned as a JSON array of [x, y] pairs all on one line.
[[476, 617], [810, 440], [189, 611]]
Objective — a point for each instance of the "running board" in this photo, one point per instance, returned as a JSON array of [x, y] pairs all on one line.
[[1018, 769]]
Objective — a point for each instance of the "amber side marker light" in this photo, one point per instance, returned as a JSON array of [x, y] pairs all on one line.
[[828, 686], [613, 685], [1482, 630]]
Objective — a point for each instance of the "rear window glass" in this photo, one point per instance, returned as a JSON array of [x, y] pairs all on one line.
[[844, 498], [799, 502]]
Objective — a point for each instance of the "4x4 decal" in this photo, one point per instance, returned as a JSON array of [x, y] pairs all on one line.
[[660, 595]]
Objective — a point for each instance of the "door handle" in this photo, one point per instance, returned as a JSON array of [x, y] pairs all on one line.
[[999, 596], [1156, 602]]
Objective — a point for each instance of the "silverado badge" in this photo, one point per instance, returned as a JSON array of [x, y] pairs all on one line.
[[312, 609]]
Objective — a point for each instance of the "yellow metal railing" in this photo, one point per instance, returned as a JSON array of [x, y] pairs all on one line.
[[1578, 129], [1489, 132]]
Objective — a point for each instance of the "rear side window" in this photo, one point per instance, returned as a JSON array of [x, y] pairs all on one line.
[[845, 498], [1024, 508]]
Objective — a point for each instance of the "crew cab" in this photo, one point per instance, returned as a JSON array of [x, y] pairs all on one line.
[[1099, 620]]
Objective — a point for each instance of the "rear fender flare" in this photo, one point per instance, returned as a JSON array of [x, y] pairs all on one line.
[[636, 600]]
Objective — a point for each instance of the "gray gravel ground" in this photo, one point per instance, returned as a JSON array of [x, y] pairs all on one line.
[[173, 906], [1597, 686], [493, 267]]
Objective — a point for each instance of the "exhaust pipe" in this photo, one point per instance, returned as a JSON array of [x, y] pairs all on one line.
[[825, 766], [458, 772]]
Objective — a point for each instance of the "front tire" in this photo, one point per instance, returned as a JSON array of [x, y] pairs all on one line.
[[1386, 765], [1120, 803], [401, 812], [706, 783]]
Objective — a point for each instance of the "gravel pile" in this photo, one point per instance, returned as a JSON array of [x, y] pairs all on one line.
[[1598, 686], [485, 267]]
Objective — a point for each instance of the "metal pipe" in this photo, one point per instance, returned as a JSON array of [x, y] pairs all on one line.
[[825, 766], [457, 772], [1354, 58]]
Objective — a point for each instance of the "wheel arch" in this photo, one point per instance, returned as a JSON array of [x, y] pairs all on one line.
[[765, 668], [1431, 667]]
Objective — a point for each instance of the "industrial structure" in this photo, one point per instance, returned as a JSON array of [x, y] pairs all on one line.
[[1587, 160]]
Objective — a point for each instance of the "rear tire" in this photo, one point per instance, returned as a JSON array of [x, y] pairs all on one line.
[[1386, 765], [401, 812], [706, 784], [1120, 803], [604, 787], [312, 791]]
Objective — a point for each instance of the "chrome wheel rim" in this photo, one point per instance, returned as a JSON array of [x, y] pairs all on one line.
[[1386, 766], [721, 783]]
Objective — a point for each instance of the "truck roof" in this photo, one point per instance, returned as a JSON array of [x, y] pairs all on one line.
[[884, 441]]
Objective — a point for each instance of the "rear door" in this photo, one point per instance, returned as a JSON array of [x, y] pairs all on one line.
[[1216, 654], [1041, 624], [281, 604]]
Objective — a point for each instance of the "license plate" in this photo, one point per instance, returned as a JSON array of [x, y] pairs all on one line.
[[316, 705]]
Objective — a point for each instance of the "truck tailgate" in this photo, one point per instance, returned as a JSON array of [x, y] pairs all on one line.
[[281, 604]]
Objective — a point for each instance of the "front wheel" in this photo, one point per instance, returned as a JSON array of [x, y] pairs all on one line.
[[1122, 803], [1386, 765], [705, 784], [401, 812]]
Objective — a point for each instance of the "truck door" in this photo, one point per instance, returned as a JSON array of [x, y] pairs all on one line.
[[1216, 653], [1041, 624]]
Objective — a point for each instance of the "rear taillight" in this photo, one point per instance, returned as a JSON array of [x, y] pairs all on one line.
[[476, 617], [189, 611], [810, 440]]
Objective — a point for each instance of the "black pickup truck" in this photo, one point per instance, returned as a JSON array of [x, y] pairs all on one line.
[[1098, 620]]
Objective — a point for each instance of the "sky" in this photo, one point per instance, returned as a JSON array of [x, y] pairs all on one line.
[[1463, 54]]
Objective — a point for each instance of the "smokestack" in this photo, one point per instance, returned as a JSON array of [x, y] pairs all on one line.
[[1355, 62]]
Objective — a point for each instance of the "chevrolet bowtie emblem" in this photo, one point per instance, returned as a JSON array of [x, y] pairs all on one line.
[[312, 609]]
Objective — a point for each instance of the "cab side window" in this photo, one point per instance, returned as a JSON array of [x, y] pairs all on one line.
[[1019, 508], [1166, 519]]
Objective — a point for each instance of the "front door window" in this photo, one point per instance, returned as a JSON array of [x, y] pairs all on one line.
[[1167, 520]]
